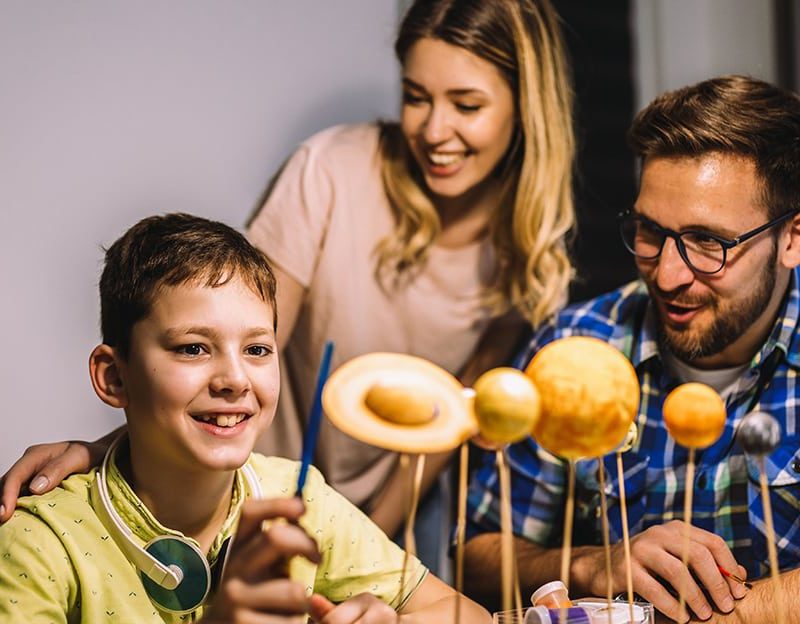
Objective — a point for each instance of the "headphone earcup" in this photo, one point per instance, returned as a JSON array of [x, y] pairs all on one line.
[[193, 589]]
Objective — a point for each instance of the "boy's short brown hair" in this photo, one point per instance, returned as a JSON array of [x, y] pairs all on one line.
[[171, 250]]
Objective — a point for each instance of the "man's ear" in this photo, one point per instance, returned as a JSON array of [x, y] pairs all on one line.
[[790, 244], [104, 370]]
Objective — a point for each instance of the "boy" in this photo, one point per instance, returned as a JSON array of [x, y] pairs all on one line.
[[188, 323]]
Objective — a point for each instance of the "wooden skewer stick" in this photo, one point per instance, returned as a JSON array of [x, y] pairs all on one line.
[[687, 518], [411, 511], [566, 549], [508, 562], [461, 524], [771, 549], [601, 472], [626, 538]]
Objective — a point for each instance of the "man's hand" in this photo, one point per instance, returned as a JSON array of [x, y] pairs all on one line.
[[656, 563], [255, 582]]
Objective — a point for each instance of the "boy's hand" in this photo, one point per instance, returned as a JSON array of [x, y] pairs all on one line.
[[363, 608], [255, 582], [43, 466]]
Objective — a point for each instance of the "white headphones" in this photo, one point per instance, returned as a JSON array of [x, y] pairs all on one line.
[[175, 573]]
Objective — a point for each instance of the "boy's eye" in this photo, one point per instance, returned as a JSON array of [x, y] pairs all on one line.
[[190, 349], [258, 350]]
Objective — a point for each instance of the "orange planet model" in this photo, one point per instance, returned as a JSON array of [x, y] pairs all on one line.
[[589, 393], [506, 405], [694, 415]]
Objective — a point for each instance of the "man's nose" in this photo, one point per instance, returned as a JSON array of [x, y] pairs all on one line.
[[672, 271]]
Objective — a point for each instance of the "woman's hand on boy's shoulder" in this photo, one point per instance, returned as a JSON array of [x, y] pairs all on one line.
[[43, 466], [255, 582]]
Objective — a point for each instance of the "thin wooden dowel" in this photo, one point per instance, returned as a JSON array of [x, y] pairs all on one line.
[[626, 538], [461, 524], [772, 551], [687, 518], [408, 487], [601, 473], [506, 536], [566, 550]]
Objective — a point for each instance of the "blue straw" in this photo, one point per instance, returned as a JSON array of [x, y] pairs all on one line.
[[312, 432]]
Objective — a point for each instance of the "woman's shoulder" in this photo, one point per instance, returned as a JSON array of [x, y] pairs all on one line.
[[345, 144]]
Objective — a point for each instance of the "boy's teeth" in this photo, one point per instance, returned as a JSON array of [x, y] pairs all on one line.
[[224, 420]]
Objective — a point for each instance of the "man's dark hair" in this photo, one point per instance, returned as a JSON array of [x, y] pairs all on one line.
[[736, 115]]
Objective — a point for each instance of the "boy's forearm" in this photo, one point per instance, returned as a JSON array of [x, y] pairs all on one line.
[[444, 610], [760, 605]]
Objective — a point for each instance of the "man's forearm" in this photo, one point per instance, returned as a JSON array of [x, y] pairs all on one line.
[[536, 566], [761, 604]]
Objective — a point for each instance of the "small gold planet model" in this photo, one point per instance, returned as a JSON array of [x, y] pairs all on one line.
[[590, 396], [694, 414], [506, 405]]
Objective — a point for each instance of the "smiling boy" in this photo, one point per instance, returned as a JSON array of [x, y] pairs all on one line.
[[188, 322]]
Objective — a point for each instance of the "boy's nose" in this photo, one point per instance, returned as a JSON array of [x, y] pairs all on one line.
[[230, 377]]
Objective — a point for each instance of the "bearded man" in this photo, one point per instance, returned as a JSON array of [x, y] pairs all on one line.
[[716, 236]]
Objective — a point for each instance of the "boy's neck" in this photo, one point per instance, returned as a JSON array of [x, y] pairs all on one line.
[[194, 503]]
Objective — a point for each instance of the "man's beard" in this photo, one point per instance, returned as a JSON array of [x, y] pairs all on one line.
[[728, 324]]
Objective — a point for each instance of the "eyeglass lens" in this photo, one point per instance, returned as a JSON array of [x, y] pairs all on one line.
[[646, 240]]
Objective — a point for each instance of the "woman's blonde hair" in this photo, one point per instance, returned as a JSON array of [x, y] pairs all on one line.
[[522, 38]]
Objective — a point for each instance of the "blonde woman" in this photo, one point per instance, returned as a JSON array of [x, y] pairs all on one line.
[[441, 235]]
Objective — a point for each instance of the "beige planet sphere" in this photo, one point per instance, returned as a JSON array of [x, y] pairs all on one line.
[[695, 415], [590, 397], [506, 405]]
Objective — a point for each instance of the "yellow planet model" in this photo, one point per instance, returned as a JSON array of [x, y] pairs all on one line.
[[506, 405], [695, 415], [589, 393]]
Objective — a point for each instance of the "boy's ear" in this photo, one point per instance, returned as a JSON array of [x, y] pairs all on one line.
[[104, 370]]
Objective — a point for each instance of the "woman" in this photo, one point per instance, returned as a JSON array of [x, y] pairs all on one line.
[[440, 236]]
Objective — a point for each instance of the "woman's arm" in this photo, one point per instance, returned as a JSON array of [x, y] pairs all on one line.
[[497, 347], [289, 297]]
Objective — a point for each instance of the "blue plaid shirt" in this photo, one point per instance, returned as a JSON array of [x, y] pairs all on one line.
[[727, 498]]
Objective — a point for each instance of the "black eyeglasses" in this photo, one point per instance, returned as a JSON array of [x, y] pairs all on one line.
[[703, 252]]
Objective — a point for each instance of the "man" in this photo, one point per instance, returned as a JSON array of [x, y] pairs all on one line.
[[716, 236]]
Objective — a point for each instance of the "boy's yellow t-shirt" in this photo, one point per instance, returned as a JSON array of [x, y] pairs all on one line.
[[58, 562]]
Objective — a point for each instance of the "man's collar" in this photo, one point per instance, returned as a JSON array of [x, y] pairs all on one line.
[[784, 334]]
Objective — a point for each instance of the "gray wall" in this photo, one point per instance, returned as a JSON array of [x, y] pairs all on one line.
[[111, 111], [679, 42]]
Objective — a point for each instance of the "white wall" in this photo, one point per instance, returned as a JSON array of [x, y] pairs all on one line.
[[111, 111], [679, 42]]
